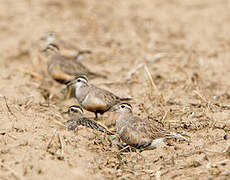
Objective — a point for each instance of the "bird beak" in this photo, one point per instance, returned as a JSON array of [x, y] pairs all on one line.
[[66, 112], [70, 83]]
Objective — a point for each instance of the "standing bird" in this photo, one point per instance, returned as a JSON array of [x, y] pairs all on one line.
[[137, 132], [92, 98], [64, 69], [76, 119]]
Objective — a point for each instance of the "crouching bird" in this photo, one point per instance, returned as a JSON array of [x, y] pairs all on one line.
[[137, 132], [77, 119]]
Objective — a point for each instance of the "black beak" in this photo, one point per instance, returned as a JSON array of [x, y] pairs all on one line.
[[70, 83], [66, 112]]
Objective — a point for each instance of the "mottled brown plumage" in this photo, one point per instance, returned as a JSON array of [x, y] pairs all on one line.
[[76, 119], [137, 132], [92, 98], [64, 69]]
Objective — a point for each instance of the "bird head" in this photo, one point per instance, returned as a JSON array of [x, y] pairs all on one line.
[[49, 37], [122, 108], [75, 111], [51, 48], [79, 81]]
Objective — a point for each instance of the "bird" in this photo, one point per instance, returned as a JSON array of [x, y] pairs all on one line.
[[92, 98], [76, 119], [64, 69], [137, 132], [66, 48]]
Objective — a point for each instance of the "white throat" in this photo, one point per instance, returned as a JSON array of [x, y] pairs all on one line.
[[81, 92], [77, 91]]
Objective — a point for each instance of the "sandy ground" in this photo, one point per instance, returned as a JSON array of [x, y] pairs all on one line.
[[184, 44]]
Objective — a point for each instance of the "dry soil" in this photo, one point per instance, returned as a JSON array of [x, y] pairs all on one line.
[[185, 45]]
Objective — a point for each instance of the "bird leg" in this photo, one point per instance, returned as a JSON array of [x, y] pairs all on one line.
[[68, 94], [96, 116]]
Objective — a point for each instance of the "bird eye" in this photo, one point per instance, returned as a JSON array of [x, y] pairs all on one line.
[[122, 106], [73, 109], [78, 80]]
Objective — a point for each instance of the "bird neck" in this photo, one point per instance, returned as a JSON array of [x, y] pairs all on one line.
[[50, 40], [82, 92], [52, 53], [74, 116], [123, 119]]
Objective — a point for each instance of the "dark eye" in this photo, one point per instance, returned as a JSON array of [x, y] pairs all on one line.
[[78, 80], [122, 106]]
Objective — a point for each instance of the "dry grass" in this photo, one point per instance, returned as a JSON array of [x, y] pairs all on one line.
[[172, 57]]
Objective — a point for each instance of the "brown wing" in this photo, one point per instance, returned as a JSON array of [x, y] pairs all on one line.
[[56, 72], [156, 132], [145, 129], [109, 98], [75, 68], [72, 67], [134, 134], [64, 45], [83, 121]]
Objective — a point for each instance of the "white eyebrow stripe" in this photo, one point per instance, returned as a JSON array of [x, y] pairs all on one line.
[[127, 105], [82, 79], [80, 110], [76, 108]]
